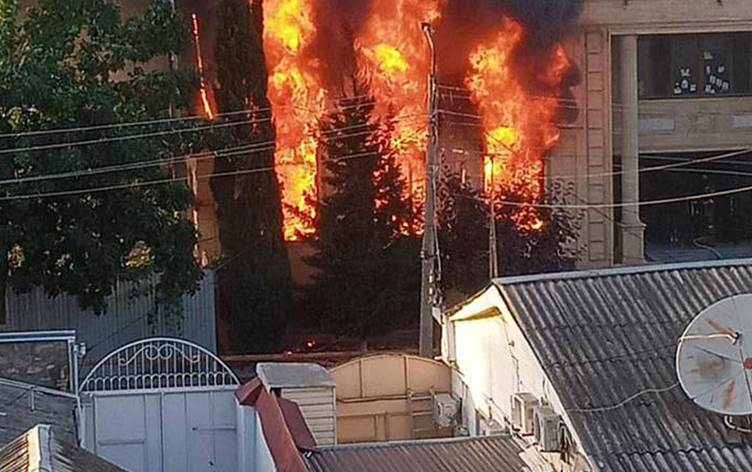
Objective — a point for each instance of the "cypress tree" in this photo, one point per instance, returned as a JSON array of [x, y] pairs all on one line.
[[254, 286], [367, 269]]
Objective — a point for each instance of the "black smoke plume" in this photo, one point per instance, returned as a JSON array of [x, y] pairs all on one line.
[[466, 24]]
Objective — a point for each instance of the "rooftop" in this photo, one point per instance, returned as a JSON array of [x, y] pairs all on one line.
[[39, 449], [605, 336], [293, 375], [480, 454], [51, 407]]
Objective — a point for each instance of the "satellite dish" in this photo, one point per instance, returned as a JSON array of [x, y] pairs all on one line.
[[714, 357]]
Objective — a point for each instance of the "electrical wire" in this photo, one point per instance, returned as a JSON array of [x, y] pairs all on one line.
[[200, 156], [109, 139], [170, 179], [155, 121], [625, 401], [675, 165], [129, 137]]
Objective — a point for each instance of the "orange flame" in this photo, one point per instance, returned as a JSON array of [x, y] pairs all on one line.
[[298, 103], [519, 128], [206, 107], [393, 58]]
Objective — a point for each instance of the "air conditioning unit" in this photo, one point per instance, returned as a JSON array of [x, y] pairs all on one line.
[[490, 428], [445, 410], [546, 428], [523, 405]]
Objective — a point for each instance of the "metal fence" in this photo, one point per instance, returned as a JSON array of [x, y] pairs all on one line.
[[127, 319]]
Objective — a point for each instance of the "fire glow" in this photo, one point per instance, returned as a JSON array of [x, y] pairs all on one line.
[[518, 122], [297, 99], [520, 129], [393, 59], [206, 107]]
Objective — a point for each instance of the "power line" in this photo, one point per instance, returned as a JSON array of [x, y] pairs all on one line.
[[625, 401], [639, 203], [170, 180], [212, 154], [108, 139], [129, 137], [180, 119], [574, 103], [683, 163]]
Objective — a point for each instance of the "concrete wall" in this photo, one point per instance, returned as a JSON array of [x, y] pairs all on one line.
[[41, 363], [492, 360], [253, 452], [373, 396], [588, 146], [629, 16], [583, 160], [263, 460], [203, 215], [700, 124]]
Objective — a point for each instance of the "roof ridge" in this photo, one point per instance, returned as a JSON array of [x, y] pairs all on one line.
[[414, 442], [38, 441], [616, 271]]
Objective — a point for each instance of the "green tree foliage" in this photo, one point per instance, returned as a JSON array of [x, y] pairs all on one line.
[[76, 63], [255, 290], [368, 269], [463, 234]]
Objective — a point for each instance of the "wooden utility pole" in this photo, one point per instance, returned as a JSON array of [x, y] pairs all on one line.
[[429, 296], [493, 256]]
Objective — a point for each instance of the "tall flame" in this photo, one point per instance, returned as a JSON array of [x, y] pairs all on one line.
[[520, 128], [393, 58], [206, 107], [297, 100]]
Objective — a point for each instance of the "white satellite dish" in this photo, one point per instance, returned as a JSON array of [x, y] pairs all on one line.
[[714, 357]]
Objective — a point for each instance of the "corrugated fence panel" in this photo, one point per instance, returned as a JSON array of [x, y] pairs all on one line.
[[127, 318]]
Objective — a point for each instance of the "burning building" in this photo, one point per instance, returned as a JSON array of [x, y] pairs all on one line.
[[501, 90], [533, 94]]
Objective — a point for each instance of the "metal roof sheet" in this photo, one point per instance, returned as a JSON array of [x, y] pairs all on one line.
[[603, 336], [480, 454], [40, 450], [293, 375]]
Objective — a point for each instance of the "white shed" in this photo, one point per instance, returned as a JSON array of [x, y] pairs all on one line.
[[312, 388]]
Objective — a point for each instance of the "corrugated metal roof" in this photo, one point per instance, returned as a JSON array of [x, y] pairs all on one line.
[[40, 450], [482, 454], [603, 336], [50, 407]]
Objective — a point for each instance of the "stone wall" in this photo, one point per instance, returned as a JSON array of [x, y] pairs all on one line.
[[45, 364]]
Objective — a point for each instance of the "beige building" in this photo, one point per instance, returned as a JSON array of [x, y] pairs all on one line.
[[665, 82]]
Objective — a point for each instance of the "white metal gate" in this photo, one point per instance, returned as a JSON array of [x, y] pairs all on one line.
[[161, 405]]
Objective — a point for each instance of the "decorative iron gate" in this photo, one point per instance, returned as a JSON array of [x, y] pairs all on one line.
[[161, 405]]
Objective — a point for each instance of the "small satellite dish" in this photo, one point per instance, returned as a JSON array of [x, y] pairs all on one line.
[[714, 357]]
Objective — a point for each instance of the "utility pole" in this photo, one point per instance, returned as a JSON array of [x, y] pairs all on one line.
[[493, 256], [429, 296]]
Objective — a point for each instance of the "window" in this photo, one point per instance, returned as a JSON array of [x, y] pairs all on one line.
[[721, 221], [699, 65]]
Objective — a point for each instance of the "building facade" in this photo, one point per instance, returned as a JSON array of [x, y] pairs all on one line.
[[582, 366], [665, 84]]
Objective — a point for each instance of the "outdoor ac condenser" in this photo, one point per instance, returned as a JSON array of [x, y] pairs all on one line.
[[445, 410], [546, 428], [523, 405]]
